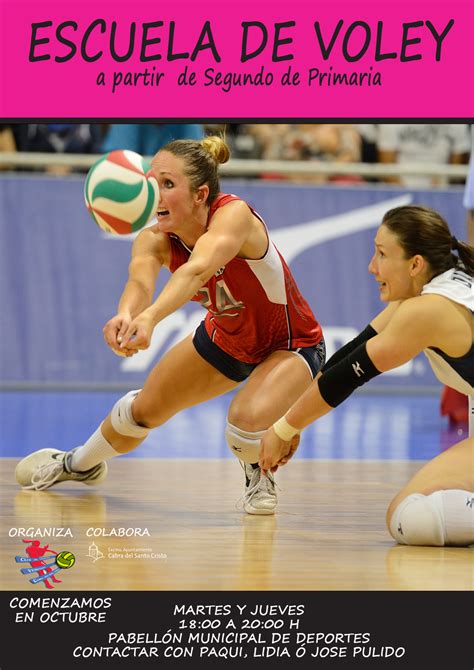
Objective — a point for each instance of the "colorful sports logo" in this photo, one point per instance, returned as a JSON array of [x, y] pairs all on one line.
[[46, 571]]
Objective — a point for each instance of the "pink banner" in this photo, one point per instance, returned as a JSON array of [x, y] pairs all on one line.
[[265, 60]]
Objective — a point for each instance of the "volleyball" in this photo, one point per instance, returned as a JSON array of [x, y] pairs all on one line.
[[65, 560], [121, 193]]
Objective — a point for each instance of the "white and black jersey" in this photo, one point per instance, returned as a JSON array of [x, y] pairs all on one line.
[[458, 373]]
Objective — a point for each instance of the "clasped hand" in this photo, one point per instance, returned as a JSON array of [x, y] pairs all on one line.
[[275, 452], [126, 336]]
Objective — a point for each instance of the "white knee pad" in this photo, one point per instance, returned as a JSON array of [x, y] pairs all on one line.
[[122, 418], [439, 519], [243, 444]]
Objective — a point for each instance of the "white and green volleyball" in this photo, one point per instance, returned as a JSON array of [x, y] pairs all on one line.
[[120, 192]]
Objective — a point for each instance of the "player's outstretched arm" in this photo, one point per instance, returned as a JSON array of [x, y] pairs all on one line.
[[150, 252], [412, 328], [213, 250]]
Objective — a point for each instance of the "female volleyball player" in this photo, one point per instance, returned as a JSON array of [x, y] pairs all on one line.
[[258, 326], [426, 276]]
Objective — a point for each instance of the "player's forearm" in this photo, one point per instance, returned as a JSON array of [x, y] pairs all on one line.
[[135, 299], [181, 287], [309, 407]]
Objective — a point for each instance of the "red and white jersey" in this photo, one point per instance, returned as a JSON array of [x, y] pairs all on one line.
[[254, 306]]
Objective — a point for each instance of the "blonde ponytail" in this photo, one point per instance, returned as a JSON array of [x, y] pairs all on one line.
[[217, 147]]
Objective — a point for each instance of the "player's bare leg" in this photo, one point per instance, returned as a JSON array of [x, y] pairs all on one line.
[[436, 507], [181, 379]]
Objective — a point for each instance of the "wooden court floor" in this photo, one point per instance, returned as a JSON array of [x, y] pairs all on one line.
[[328, 534]]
